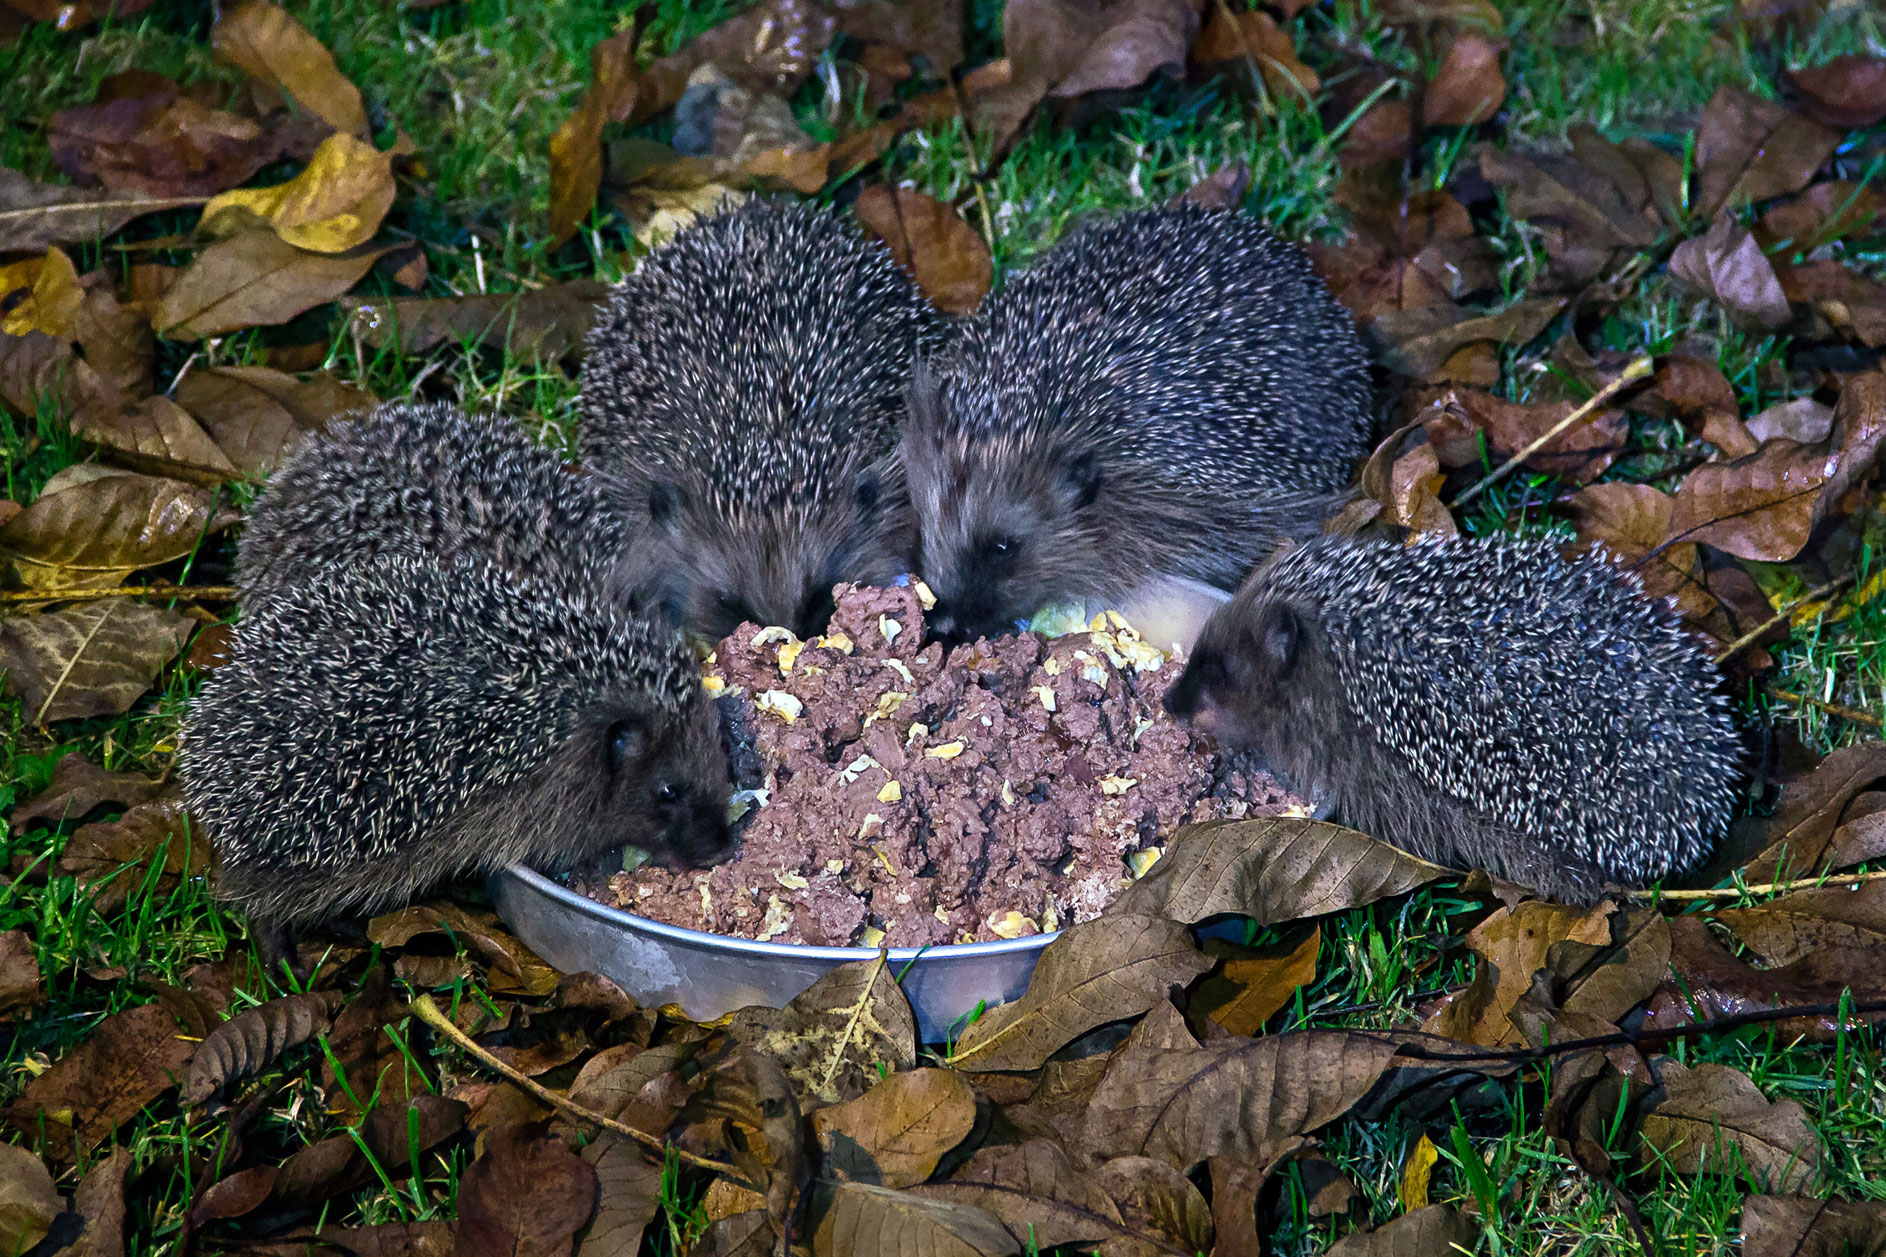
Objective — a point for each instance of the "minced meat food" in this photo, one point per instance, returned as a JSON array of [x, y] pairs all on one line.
[[907, 798]]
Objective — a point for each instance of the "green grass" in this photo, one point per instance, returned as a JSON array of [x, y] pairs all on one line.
[[480, 85]]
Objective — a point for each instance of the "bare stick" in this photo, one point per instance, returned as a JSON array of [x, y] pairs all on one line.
[[196, 593], [430, 1013], [1749, 638], [1854, 714], [1765, 888], [1637, 370]]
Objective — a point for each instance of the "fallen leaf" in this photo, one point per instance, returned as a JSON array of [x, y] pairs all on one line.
[[1233, 44], [365, 1068], [19, 974], [1606, 980], [1251, 987], [1474, 15], [628, 1196], [1468, 88], [747, 1113], [1860, 415], [99, 1205], [1825, 212], [92, 526], [376, 1150], [632, 1084], [863, 1219], [1632, 522], [1852, 303], [1706, 982], [1728, 266], [1695, 393], [1797, 1226], [158, 437], [833, 1035], [272, 48], [1038, 1194], [1810, 833], [1420, 342], [1580, 453], [1762, 506], [79, 786], [1109, 969], [894, 1134], [1846, 93], [28, 1203], [255, 279], [1274, 870], [1513, 944], [548, 322], [1158, 1201], [39, 373], [1436, 1231], [93, 659], [333, 205], [1797, 924], [576, 162], [40, 294], [1751, 149], [1384, 134], [234, 1196], [158, 146], [256, 415], [97, 852], [1802, 420], [36, 215], [512, 968], [115, 337], [527, 1196], [1223, 188], [1714, 1118], [254, 1039], [132, 1058], [928, 238]]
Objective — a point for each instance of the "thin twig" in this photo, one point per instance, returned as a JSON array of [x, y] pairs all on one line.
[[1749, 638], [1765, 888], [1639, 369], [1854, 714], [433, 1016], [195, 593]]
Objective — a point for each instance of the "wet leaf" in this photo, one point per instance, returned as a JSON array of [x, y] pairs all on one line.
[[635, 1085], [1845, 93], [19, 974], [1251, 987], [1762, 506], [1707, 982], [40, 294], [1633, 521], [251, 1041], [1512, 945], [1037, 1194], [548, 322], [928, 238], [1802, 419], [1798, 1226], [92, 526], [132, 1058], [1607, 980], [895, 1133], [158, 144], [77, 787], [1593, 206], [1233, 43], [1860, 414], [1274, 869], [1420, 342], [1158, 1202], [333, 205], [275, 50], [34, 215], [1695, 393], [1729, 266], [1436, 1231], [28, 1204], [1750, 149], [865, 1219], [115, 337], [256, 415], [1853, 304], [1802, 922], [1468, 88], [92, 659], [1714, 1118], [159, 437], [1108, 969], [255, 279], [527, 1196], [1809, 832], [833, 1035]]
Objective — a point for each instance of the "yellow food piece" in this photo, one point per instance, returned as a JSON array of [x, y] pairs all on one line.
[[1117, 785], [925, 598], [889, 627], [780, 703], [777, 918], [791, 881], [788, 655], [949, 750], [1142, 861], [1012, 924], [774, 633], [713, 684], [869, 936], [890, 792], [838, 642]]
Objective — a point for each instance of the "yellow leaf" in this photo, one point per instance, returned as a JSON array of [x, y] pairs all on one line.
[[41, 294], [332, 206], [1415, 1174]]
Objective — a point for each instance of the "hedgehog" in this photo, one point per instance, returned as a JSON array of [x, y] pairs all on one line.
[[1167, 394], [392, 721], [742, 395], [428, 481], [1478, 700]]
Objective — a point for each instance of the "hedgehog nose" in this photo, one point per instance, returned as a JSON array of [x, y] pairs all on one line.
[[944, 625], [699, 833], [1188, 702]]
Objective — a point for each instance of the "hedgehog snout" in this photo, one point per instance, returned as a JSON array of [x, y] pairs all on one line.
[[693, 826]]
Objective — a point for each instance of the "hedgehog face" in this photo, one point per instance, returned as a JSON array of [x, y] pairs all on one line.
[[663, 780]]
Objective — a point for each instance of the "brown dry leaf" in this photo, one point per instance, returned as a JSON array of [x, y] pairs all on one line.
[[864, 1219], [832, 1037], [1513, 945], [77, 787], [548, 322], [1695, 393], [1413, 248], [99, 1204], [1853, 304], [1580, 453], [1607, 980], [636, 1085], [527, 1196], [1845, 93], [128, 1061], [1707, 982], [1273, 869], [1796, 925], [1730, 267], [1158, 1202], [158, 437], [1633, 521], [254, 1039], [1420, 342], [1248, 1099], [256, 415], [1109, 969], [1482, 16], [1232, 43], [1801, 419], [895, 1133], [392, 1134], [1251, 987], [388, 1239], [628, 1197], [1434, 1231], [1468, 89], [1750, 149], [36, 215], [747, 1113], [97, 851], [1825, 212], [38, 371], [576, 147], [92, 659], [1860, 414], [368, 1060], [335, 204], [240, 1193], [1714, 1118], [1223, 188], [115, 336], [158, 144], [1038, 1194], [28, 1203], [275, 50], [1810, 833], [512, 968], [92, 526], [1800, 1226], [928, 238], [1761, 507], [19, 974], [1594, 206], [40, 294], [255, 279]]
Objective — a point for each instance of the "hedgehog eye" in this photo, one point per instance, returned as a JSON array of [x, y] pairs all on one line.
[[623, 743]]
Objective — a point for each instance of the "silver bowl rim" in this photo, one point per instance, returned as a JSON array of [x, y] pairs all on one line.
[[751, 946]]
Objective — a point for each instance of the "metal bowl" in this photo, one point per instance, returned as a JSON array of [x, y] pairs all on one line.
[[711, 974]]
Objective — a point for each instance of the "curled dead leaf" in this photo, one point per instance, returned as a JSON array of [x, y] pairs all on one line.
[[1730, 267], [944, 254], [1762, 506], [253, 1040], [1845, 93], [895, 1133], [1468, 89], [1751, 149], [1238, 44], [157, 143], [335, 204], [268, 45]]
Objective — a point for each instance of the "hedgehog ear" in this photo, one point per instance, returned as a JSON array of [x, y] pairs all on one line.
[[1277, 639], [1080, 479], [867, 491], [665, 501]]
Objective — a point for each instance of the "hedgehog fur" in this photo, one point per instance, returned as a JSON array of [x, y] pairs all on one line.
[[742, 394], [390, 722], [1487, 701], [427, 481], [1166, 393]]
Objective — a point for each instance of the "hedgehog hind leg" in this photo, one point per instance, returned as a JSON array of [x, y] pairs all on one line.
[[1547, 867]]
